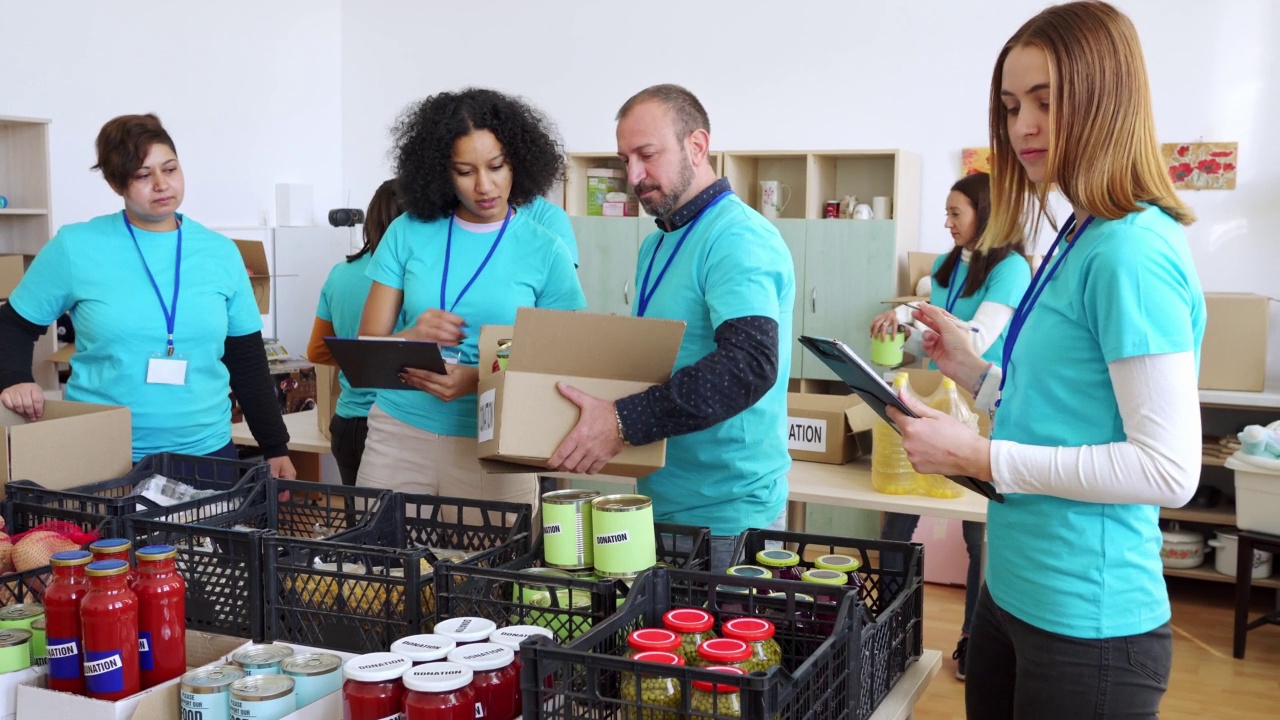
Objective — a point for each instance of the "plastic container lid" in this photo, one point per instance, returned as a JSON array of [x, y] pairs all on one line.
[[71, 558], [724, 650], [750, 571], [688, 620], [707, 686], [107, 568], [511, 636], [376, 667], [778, 558], [483, 657], [662, 658], [438, 677], [843, 563], [156, 552], [747, 629], [653, 639], [466, 629], [423, 648], [824, 577]]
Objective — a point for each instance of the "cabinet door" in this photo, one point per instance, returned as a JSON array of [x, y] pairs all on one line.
[[849, 270], [607, 252], [793, 234]]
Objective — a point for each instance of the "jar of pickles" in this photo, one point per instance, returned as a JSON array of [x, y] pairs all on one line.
[[710, 699], [748, 571], [693, 626], [846, 564], [652, 640], [757, 633], [654, 691], [800, 617], [784, 564], [731, 600], [724, 652], [828, 598]]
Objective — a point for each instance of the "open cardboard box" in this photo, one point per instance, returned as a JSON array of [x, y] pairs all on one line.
[[522, 416], [72, 444], [327, 393], [12, 267], [254, 254], [1233, 355], [828, 428]]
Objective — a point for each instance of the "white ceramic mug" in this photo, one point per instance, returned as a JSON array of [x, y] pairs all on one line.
[[772, 202], [880, 207]]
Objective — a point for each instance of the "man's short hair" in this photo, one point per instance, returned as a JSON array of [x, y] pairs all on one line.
[[684, 105]]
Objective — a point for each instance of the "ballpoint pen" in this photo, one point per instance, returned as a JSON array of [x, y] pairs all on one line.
[[954, 321]]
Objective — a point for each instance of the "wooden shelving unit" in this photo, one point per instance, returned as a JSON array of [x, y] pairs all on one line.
[[1206, 572], [26, 223], [577, 164]]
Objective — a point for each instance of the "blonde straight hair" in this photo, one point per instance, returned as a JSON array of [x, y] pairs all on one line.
[[1103, 152]]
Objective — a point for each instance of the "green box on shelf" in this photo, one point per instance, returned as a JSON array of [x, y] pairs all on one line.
[[601, 182]]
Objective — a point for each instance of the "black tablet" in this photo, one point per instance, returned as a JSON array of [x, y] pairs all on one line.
[[875, 392], [369, 363]]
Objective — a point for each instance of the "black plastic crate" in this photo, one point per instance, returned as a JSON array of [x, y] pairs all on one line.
[[568, 608], [360, 595], [892, 574], [116, 498], [219, 541], [816, 680], [29, 585]]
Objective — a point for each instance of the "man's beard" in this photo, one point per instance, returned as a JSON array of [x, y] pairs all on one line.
[[665, 203]]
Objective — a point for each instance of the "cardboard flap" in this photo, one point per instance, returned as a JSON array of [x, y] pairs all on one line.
[[860, 417], [62, 354], [821, 403], [254, 254], [489, 337], [597, 346], [38, 450]]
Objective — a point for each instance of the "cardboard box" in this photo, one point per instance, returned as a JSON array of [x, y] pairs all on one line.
[[621, 208], [828, 428], [601, 182], [522, 416], [72, 444], [9, 684], [62, 354], [327, 393], [37, 702], [11, 269], [1233, 355], [254, 254]]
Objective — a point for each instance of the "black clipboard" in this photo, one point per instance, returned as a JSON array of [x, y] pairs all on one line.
[[873, 390], [376, 364]]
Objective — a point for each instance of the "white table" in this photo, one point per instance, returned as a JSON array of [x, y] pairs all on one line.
[[904, 694], [304, 433]]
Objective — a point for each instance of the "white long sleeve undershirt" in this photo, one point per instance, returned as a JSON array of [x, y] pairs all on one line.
[[1157, 464]]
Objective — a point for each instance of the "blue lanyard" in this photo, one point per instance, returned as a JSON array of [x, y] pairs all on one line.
[[170, 311], [646, 293], [448, 248], [1032, 295], [953, 292]]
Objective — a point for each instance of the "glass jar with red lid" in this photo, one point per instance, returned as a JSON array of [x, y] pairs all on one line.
[[162, 615], [109, 629], [62, 620], [652, 640], [713, 699], [114, 549], [693, 626], [662, 691], [757, 633], [496, 682], [373, 689], [439, 691], [725, 652]]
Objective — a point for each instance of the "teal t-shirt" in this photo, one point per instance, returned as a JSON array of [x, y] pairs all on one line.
[[530, 268], [1083, 569], [93, 270], [553, 218], [341, 303], [1005, 285], [731, 476]]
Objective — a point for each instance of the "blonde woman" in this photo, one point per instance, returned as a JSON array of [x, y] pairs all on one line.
[[1098, 419]]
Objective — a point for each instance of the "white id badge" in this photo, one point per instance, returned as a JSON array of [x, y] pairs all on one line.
[[450, 355], [167, 370]]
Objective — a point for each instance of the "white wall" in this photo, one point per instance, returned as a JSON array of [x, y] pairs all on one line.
[[249, 91], [824, 74]]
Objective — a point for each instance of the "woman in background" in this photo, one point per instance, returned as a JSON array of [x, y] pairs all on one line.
[[981, 287], [338, 315]]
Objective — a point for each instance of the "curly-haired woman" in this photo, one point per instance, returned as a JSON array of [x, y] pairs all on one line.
[[463, 255]]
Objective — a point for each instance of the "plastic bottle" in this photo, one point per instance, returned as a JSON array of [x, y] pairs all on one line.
[[891, 471], [947, 399]]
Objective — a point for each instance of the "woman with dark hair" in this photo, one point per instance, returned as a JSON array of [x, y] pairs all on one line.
[[171, 353], [338, 314], [981, 288], [464, 254]]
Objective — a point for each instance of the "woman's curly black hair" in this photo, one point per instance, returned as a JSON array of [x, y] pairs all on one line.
[[426, 131]]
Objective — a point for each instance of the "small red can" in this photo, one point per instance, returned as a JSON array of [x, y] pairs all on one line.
[[832, 209]]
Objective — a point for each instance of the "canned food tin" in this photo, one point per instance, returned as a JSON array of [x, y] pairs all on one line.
[[624, 540], [503, 355], [831, 209], [566, 528], [528, 588], [314, 675], [205, 694], [39, 650], [15, 649], [262, 659], [20, 615], [262, 697]]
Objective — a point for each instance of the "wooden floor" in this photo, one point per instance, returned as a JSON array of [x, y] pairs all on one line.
[[1207, 682]]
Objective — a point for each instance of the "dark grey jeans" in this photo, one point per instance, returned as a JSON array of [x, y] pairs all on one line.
[[1015, 670]]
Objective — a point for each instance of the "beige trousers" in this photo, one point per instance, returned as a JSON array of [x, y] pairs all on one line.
[[403, 458]]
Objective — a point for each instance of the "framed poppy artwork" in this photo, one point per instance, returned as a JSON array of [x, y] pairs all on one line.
[[1201, 166], [974, 160]]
